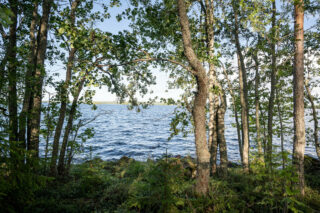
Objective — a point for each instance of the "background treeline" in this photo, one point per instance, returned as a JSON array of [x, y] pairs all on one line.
[[255, 53]]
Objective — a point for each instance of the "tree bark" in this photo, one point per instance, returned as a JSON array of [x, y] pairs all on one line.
[[25, 113], [244, 119], [257, 105], [315, 119], [49, 134], [221, 137], [213, 133], [38, 78], [3, 62], [298, 95], [233, 98], [199, 111], [61, 164], [64, 97], [12, 75], [243, 93], [281, 130], [213, 98], [273, 85], [264, 132], [2, 68]]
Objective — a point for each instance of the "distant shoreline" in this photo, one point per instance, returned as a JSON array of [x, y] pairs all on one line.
[[125, 103], [116, 103]]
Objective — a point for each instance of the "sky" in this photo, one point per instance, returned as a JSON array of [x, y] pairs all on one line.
[[161, 88]]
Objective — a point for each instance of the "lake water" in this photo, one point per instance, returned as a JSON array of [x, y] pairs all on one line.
[[143, 135]]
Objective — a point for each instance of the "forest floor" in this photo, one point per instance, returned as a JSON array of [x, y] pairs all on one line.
[[167, 185]]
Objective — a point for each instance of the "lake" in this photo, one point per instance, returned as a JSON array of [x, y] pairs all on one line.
[[143, 135]]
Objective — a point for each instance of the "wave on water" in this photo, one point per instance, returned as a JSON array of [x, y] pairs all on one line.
[[145, 135]]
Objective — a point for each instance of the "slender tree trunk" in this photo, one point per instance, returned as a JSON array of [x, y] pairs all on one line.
[[211, 95], [213, 82], [61, 164], [221, 137], [233, 98], [264, 132], [3, 70], [64, 97], [199, 111], [273, 85], [28, 78], [244, 119], [3, 63], [38, 78], [29, 120], [257, 105], [315, 119], [298, 95], [70, 153], [281, 130], [49, 133], [12, 75], [213, 146], [240, 144], [243, 93]]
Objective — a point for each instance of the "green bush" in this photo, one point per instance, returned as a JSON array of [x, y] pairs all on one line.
[[165, 185]]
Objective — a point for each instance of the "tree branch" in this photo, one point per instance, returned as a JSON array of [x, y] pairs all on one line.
[[149, 59]]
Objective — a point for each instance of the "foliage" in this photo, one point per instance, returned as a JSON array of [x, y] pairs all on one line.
[[123, 62], [18, 182], [164, 185]]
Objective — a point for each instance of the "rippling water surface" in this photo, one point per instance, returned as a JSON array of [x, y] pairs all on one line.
[[144, 135]]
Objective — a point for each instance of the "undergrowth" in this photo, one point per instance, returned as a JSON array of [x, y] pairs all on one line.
[[166, 185]]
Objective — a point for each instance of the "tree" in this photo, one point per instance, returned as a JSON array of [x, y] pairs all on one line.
[[199, 112], [243, 91], [24, 116], [12, 75], [38, 77], [273, 84], [64, 93], [298, 95], [216, 96]]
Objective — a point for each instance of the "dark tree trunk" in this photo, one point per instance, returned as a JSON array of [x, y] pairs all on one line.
[[298, 95], [3, 64], [38, 78], [3, 70], [12, 75], [25, 113], [199, 111]]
